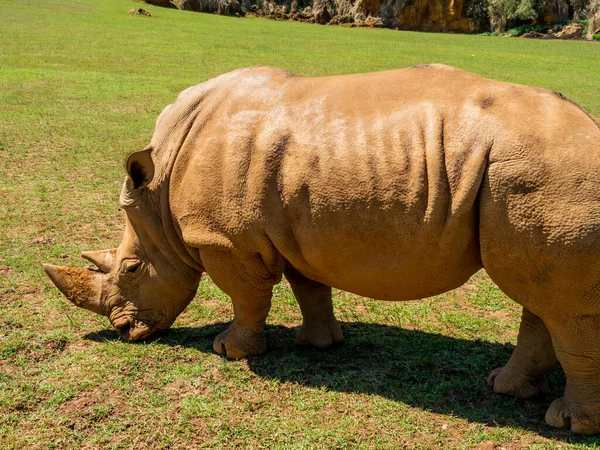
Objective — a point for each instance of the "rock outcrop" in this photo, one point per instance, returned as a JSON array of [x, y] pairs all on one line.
[[435, 15], [139, 12], [422, 15], [594, 25], [159, 2], [571, 31], [460, 16], [222, 7]]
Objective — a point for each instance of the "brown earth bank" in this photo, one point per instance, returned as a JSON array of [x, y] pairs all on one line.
[[461, 16]]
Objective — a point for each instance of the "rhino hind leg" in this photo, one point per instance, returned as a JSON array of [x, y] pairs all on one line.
[[245, 281], [524, 374], [577, 342], [319, 326]]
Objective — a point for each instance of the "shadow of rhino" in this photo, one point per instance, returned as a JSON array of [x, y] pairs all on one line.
[[437, 373]]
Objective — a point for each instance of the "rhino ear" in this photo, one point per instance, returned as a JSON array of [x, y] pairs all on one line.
[[140, 168]]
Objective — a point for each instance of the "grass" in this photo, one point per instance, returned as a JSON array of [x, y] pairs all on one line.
[[81, 84]]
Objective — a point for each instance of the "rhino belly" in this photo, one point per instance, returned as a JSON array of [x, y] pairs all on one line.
[[379, 260]]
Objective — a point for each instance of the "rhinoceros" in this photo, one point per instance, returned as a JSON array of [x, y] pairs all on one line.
[[394, 185]]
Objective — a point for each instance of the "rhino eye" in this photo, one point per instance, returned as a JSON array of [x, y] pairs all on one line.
[[134, 268]]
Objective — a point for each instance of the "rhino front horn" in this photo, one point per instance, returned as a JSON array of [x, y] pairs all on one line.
[[83, 287], [103, 259]]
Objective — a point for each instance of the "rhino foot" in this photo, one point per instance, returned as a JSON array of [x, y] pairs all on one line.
[[239, 342], [321, 336], [505, 382], [563, 414]]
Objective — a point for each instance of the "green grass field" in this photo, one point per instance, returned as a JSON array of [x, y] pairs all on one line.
[[81, 84]]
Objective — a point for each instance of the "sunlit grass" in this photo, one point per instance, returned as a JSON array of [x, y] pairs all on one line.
[[81, 84]]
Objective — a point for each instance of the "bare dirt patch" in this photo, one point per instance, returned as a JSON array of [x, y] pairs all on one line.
[[488, 445], [92, 406], [506, 316], [179, 389], [41, 241]]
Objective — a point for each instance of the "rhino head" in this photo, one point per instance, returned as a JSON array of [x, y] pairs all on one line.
[[145, 283]]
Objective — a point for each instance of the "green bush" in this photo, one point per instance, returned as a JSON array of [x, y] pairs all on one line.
[[596, 37], [477, 11], [511, 14], [520, 30], [504, 13]]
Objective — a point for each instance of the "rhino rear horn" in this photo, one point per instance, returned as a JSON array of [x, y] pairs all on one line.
[[82, 287], [103, 259]]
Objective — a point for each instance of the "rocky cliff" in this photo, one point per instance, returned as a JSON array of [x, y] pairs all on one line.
[[423, 15], [461, 16]]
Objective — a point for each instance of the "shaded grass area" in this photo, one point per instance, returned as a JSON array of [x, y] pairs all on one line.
[[81, 84]]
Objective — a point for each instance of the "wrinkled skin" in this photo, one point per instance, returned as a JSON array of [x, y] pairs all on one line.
[[394, 185], [131, 283]]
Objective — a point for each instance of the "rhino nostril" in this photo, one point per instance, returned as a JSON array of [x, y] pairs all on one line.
[[124, 331]]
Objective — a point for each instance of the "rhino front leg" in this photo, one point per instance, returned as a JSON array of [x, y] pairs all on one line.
[[524, 374], [249, 285], [319, 327]]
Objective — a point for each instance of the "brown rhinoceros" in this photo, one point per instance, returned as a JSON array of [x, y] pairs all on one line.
[[395, 185]]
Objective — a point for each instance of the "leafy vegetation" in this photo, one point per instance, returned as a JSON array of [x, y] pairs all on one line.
[[507, 11], [520, 30], [81, 84], [505, 14]]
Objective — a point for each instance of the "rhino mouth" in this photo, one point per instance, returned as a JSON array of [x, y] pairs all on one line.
[[123, 331], [131, 330]]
